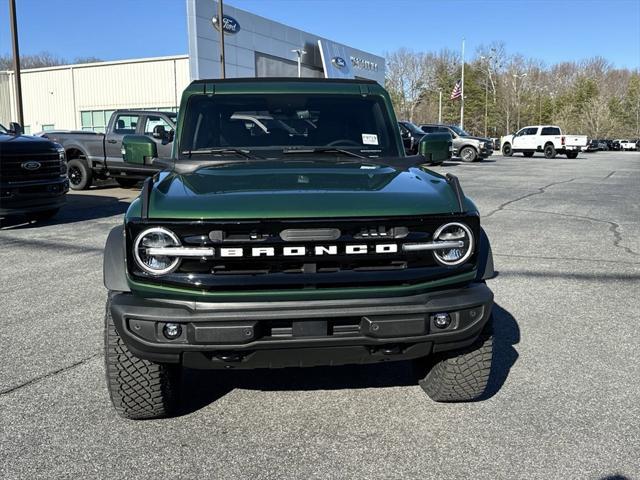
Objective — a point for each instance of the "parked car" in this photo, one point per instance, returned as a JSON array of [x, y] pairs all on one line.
[[467, 147], [93, 155], [592, 146], [602, 145], [627, 145], [615, 145], [329, 249], [548, 139], [33, 175], [411, 135]]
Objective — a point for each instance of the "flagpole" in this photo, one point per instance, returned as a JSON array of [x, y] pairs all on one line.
[[462, 90]]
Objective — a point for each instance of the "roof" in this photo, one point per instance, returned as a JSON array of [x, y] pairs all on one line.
[[356, 81]]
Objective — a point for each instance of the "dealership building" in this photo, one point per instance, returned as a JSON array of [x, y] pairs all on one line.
[[82, 97]]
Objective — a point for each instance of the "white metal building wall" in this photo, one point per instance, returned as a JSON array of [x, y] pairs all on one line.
[[56, 95]]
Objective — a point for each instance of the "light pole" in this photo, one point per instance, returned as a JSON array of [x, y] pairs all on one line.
[[16, 61], [221, 29], [439, 105], [515, 86], [299, 52], [486, 90]]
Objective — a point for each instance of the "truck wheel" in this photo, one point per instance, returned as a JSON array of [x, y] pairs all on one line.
[[572, 155], [127, 182], [462, 375], [549, 151], [468, 154], [506, 150], [527, 154], [80, 175], [139, 389]]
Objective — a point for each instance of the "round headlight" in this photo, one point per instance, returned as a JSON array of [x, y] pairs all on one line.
[[452, 232], [156, 237]]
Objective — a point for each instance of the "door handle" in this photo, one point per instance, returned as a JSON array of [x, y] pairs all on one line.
[[112, 141]]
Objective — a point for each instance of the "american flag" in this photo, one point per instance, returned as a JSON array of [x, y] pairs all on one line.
[[457, 91]]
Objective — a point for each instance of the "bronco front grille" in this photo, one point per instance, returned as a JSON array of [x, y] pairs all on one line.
[[12, 167], [339, 270]]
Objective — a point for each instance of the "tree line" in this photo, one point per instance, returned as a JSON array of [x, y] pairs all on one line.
[[504, 92], [41, 60]]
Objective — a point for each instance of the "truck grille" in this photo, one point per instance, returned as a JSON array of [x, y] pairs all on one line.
[[309, 271], [12, 167]]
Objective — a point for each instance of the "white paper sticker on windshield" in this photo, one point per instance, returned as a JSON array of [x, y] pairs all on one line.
[[369, 139]]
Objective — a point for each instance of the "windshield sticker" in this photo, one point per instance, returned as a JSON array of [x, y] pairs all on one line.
[[369, 139]]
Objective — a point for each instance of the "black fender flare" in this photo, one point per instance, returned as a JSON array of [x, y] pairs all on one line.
[[114, 267], [486, 270]]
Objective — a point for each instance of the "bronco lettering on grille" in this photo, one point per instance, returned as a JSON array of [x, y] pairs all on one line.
[[300, 251]]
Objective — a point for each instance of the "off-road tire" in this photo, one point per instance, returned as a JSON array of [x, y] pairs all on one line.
[[468, 154], [459, 376], [572, 155], [44, 215], [527, 154], [80, 175], [139, 389], [507, 151], [549, 151], [126, 182]]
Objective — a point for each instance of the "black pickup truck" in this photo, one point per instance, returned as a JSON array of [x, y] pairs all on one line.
[[93, 155], [33, 178]]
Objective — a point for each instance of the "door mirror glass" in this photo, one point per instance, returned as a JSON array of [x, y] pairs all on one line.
[[138, 149], [159, 132]]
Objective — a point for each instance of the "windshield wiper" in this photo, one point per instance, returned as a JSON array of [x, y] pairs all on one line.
[[324, 150], [220, 151]]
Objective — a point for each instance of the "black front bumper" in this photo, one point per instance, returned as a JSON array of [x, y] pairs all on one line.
[[283, 334], [35, 196]]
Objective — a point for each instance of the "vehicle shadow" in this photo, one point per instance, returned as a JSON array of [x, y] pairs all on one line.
[[202, 387], [79, 208]]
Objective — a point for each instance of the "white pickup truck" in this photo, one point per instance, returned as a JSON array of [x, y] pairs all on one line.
[[548, 139], [627, 145]]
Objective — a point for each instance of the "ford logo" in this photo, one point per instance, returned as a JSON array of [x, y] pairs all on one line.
[[339, 62], [229, 24], [33, 165]]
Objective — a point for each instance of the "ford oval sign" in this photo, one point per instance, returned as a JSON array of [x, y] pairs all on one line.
[[32, 165], [339, 62], [229, 24]]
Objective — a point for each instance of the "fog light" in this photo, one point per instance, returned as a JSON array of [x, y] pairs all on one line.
[[442, 320], [172, 331]]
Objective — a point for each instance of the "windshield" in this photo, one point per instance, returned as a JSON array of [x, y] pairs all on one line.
[[459, 131], [281, 122]]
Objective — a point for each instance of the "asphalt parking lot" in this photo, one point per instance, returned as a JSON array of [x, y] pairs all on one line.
[[564, 400]]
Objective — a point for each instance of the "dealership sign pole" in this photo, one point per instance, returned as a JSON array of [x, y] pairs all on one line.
[[221, 30], [16, 61]]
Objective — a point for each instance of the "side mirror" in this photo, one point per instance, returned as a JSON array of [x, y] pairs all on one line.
[[159, 132], [15, 128], [138, 149], [436, 147]]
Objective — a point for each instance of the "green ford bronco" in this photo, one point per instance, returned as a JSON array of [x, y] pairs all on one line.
[[289, 229]]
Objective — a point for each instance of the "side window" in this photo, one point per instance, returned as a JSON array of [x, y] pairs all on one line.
[[153, 122], [126, 124], [428, 129], [550, 131], [443, 130], [531, 131]]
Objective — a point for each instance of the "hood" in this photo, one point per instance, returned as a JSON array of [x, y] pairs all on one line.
[[480, 139], [299, 190], [16, 144]]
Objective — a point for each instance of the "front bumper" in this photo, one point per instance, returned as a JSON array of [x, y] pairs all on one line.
[[29, 197], [299, 333]]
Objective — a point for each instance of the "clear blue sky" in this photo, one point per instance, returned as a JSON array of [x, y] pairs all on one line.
[[551, 30]]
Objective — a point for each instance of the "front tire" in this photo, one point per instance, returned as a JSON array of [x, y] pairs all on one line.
[[507, 151], [468, 154], [549, 151], [459, 376], [139, 389], [80, 175]]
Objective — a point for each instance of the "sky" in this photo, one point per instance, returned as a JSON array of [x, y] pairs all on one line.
[[549, 30]]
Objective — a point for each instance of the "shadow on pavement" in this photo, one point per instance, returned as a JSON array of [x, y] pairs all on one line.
[[203, 387], [79, 208]]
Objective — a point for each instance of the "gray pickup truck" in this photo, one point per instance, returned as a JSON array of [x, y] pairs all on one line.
[[93, 155]]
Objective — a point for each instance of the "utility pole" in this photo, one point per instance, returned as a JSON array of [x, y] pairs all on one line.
[[440, 105], [299, 52], [486, 92], [462, 90], [221, 30], [516, 77], [16, 61]]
